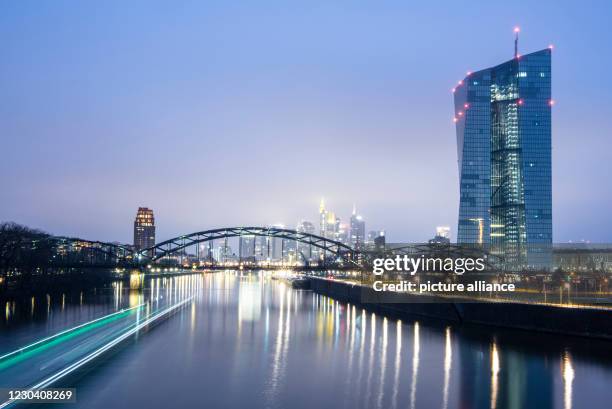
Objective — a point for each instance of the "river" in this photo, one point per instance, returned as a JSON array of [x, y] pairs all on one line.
[[237, 340]]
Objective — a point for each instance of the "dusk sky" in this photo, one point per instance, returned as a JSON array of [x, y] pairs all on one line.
[[224, 113]]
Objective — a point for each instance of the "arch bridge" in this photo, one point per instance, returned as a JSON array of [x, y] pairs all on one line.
[[179, 244], [77, 252]]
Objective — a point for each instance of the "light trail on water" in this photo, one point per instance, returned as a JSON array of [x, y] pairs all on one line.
[[91, 356]]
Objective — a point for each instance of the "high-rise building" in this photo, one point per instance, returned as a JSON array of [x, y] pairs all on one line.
[[357, 230], [343, 232], [503, 125], [304, 250], [329, 224], [246, 248], [262, 248], [144, 229], [322, 218]]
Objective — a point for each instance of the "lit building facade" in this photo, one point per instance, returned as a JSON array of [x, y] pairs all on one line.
[[503, 125], [304, 250], [329, 224], [357, 230], [144, 229]]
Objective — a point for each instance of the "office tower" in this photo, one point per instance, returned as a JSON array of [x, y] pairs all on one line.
[[277, 245], [306, 251], [246, 247], [503, 125], [328, 222], [357, 230], [261, 248], [322, 218], [144, 229], [223, 253], [343, 233], [379, 241]]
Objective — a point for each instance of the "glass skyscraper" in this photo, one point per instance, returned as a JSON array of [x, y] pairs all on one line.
[[503, 124]]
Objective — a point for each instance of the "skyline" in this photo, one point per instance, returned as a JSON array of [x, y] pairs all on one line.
[[258, 132]]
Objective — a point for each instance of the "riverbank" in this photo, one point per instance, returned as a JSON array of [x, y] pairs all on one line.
[[77, 280], [576, 321]]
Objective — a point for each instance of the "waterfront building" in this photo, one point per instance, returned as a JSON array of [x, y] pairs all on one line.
[[503, 126], [144, 229]]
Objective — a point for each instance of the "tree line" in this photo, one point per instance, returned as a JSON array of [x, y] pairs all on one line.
[[24, 250]]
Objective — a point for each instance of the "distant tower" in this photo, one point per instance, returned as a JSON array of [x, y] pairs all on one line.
[[322, 218], [144, 229]]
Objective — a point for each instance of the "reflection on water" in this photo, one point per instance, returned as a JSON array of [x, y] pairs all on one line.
[[494, 372], [448, 362], [252, 341], [568, 378]]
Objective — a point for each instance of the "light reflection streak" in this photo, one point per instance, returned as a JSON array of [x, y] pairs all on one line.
[[278, 348], [448, 360], [415, 365], [362, 335], [193, 319], [398, 363], [568, 379], [383, 363], [495, 366], [371, 358], [350, 318]]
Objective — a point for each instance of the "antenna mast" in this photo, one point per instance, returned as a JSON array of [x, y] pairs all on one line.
[[517, 30]]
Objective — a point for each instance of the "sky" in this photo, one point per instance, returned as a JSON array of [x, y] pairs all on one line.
[[220, 114]]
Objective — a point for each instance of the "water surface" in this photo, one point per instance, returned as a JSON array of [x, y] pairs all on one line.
[[246, 340]]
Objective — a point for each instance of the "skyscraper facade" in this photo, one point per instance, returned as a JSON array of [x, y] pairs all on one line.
[[503, 125], [306, 251], [357, 230], [329, 224], [144, 229]]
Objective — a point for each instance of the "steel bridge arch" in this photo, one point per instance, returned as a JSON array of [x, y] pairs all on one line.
[[179, 243]]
